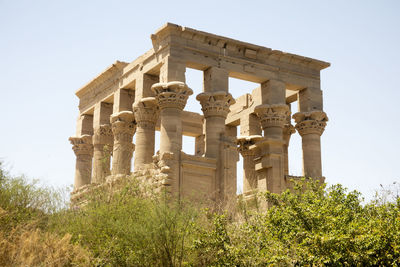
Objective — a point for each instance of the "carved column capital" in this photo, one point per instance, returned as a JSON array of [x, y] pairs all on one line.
[[288, 130], [272, 115], [313, 122], [171, 94], [123, 126], [245, 142], [146, 112], [103, 135], [82, 145], [215, 104]]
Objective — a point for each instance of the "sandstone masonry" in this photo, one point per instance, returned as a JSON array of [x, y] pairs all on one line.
[[150, 94]]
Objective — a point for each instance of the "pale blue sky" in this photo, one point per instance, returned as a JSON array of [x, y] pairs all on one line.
[[49, 49]]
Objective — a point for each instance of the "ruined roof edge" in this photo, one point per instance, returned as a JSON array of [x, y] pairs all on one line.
[[171, 27], [109, 71]]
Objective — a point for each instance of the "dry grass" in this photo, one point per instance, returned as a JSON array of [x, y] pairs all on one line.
[[28, 246]]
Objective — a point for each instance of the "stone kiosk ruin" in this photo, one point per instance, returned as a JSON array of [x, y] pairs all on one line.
[[150, 94]]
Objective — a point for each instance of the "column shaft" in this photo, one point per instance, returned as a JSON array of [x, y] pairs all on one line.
[[249, 174], [214, 127], [312, 166], [248, 150], [102, 141], [200, 145], [102, 144], [83, 149], [171, 98], [170, 130], [310, 126], [123, 128], [215, 106], [288, 130], [272, 113], [146, 114]]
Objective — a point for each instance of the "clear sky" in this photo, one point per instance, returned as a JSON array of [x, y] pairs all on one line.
[[49, 49]]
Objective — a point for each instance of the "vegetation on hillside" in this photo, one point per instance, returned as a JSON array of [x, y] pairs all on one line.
[[311, 225]]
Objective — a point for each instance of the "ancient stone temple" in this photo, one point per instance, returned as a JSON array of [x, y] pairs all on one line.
[[150, 94]]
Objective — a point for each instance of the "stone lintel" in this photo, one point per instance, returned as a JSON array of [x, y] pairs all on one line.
[[108, 73], [245, 105], [235, 47]]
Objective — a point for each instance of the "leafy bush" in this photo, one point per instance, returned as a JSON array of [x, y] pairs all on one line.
[[309, 226], [135, 226], [131, 227]]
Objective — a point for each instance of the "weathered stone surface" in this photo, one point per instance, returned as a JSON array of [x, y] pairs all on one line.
[[123, 128], [146, 114], [310, 126], [310, 122], [83, 149], [172, 94], [215, 107], [247, 148], [150, 94], [273, 115], [215, 104]]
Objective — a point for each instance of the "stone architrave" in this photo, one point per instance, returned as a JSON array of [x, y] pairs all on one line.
[[102, 145], [246, 147], [146, 114], [123, 128], [270, 166], [83, 149], [310, 126], [215, 107]]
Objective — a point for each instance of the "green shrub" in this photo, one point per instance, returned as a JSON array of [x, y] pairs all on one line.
[[131, 227], [310, 225]]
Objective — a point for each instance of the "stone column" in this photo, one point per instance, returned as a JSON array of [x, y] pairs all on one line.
[[102, 141], [146, 114], [123, 128], [199, 145], [272, 113], [83, 148], [103, 145], [227, 166], [171, 98], [288, 130], [246, 147], [215, 107], [310, 126], [310, 123]]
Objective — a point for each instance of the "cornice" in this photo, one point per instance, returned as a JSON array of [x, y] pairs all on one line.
[[248, 50], [111, 73]]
